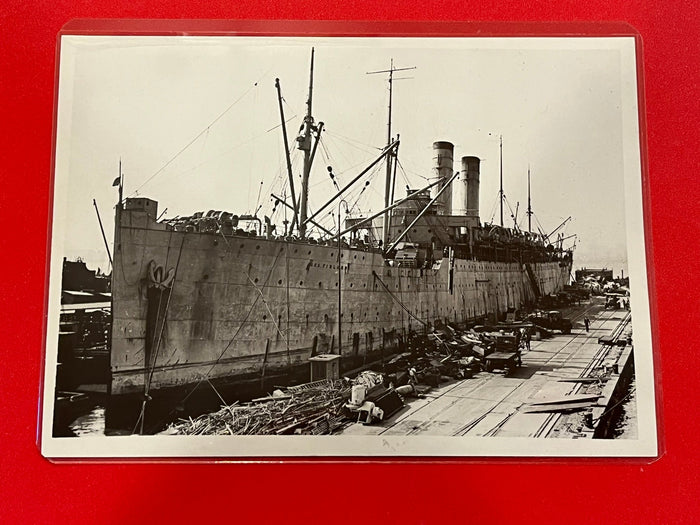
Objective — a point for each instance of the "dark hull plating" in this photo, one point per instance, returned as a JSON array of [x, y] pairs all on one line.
[[240, 310]]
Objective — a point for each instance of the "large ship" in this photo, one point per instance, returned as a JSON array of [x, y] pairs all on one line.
[[217, 300]]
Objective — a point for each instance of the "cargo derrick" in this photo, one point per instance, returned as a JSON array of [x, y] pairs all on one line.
[[229, 300], [453, 224]]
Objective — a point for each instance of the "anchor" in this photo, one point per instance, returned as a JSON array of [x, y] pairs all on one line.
[[158, 278]]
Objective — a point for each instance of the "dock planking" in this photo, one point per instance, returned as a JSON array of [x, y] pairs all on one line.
[[492, 405]]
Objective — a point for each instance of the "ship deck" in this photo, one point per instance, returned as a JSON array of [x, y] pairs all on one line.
[[490, 404]]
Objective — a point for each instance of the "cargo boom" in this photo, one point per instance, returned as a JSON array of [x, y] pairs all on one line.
[[220, 298]]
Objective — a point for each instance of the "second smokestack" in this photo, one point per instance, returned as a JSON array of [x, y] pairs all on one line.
[[470, 171], [442, 168]]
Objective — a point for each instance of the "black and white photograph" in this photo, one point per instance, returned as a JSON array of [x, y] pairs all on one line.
[[348, 247]]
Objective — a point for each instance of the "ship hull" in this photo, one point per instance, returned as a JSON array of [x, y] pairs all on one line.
[[242, 310]]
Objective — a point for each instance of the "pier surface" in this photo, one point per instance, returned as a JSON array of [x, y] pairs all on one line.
[[492, 405]]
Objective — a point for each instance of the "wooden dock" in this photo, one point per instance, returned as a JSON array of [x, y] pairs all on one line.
[[490, 404]]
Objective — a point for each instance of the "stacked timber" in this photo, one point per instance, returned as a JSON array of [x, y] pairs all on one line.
[[314, 409]]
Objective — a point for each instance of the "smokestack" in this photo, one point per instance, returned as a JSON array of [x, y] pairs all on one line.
[[459, 192], [470, 166], [442, 168]]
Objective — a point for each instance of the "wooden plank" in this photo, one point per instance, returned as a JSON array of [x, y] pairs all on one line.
[[566, 399], [576, 405]]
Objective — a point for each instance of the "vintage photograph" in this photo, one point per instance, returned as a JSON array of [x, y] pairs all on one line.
[[274, 246]]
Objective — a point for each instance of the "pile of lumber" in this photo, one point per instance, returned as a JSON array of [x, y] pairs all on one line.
[[314, 409]]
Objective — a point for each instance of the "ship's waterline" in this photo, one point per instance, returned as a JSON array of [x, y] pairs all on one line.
[[244, 306]]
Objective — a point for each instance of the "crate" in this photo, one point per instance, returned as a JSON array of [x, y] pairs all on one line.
[[325, 366]]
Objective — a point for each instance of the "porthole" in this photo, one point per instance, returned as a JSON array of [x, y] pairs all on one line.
[[264, 317], [255, 280], [301, 283], [320, 285], [279, 282], [257, 247]]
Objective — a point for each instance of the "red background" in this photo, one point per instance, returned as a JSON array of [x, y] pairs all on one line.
[[664, 491]]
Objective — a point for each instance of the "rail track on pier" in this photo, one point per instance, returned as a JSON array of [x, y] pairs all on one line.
[[489, 405]]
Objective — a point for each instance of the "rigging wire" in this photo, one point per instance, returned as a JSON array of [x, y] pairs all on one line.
[[403, 172], [257, 202], [416, 173], [367, 148], [539, 225], [240, 327], [331, 142], [156, 343], [324, 151], [205, 130], [211, 159], [493, 209], [251, 158], [357, 194], [352, 193], [510, 208], [400, 303]]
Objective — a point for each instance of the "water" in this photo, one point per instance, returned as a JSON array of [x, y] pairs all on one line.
[[90, 424], [626, 426]]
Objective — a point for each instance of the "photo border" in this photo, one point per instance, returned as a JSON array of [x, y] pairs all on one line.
[[122, 447]]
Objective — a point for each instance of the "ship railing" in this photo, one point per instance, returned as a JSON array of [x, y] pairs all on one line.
[[209, 223]]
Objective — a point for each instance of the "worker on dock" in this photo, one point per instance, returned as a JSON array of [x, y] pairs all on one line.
[[528, 338], [586, 323]]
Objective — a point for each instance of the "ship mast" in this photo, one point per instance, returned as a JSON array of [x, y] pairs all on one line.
[[529, 203], [387, 183], [287, 157], [304, 144], [500, 192]]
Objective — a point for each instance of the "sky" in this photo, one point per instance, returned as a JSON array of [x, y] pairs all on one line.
[[195, 122]]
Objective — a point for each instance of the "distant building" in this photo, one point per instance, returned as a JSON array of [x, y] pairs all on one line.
[[82, 285]]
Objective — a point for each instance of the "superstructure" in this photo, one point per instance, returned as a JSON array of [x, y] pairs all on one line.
[[224, 299]]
